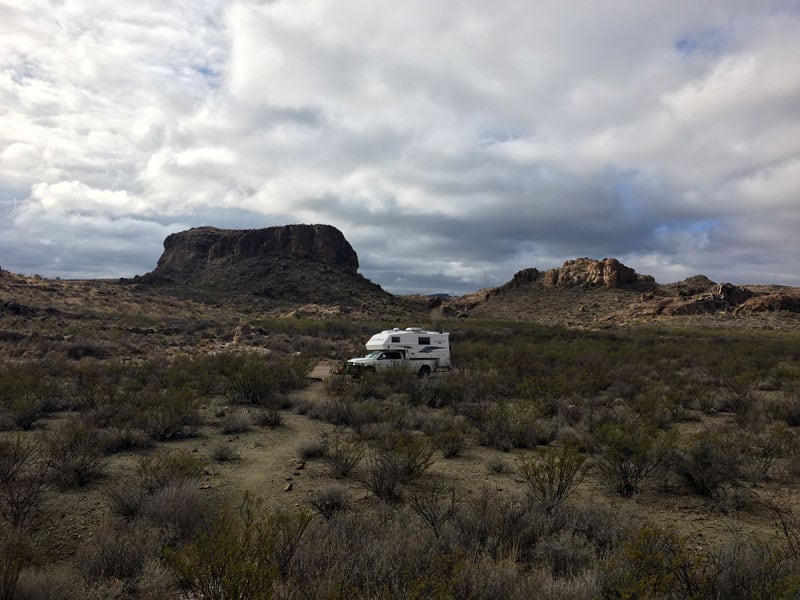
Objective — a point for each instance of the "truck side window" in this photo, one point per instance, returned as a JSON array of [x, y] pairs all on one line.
[[424, 341]]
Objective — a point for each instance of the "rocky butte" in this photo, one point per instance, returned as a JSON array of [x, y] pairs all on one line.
[[190, 251], [296, 263]]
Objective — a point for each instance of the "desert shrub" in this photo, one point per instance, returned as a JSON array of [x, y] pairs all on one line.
[[269, 418], [160, 469], [503, 526], [709, 463], [16, 553], [330, 500], [652, 562], [450, 435], [313, 449], [343, 454], [435, 504], [743, 402], [176, 508], [505, 425], [237, 422], [412, 453], [566, 553], [751, 570], [787, 409], [241, 556], [26, 393], [119, 439], [23, 474], [497, 465], [125, 499], [49, 584], [225, 453], [601, 525], [552, 474], [398, 457], [79, 349], [763, 451], [99, 390], [264, 381], [74, 452], [470, 386], [167, 413], [631, 449], [118, 552]]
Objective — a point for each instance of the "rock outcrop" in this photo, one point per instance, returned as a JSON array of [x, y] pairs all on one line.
[[583, 272], [190, 251]]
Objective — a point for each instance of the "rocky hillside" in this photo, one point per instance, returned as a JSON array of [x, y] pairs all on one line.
[[591, 292], [292, 264]]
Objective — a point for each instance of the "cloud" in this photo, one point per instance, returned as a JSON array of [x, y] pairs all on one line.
[[451, 146]]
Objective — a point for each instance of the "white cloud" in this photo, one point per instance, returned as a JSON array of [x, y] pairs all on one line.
[[490, 136]]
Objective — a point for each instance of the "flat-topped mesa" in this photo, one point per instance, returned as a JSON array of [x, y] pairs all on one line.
[[190, 251]]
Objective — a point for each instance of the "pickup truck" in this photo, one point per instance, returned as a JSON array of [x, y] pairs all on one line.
[[421, 351]]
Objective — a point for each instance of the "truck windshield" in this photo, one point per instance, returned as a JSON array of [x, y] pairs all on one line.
[[375, 354]]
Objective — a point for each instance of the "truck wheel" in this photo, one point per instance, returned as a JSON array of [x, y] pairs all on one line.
[[424, 371]]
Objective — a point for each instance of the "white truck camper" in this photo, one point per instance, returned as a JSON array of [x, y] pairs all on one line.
[[421, 351]]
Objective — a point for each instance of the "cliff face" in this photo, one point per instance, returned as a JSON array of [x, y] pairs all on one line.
[[188, 252]]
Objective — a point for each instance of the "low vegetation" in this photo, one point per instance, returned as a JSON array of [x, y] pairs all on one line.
[[550, 463]]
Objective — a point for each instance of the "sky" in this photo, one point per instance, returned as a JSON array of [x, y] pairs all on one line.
[[452, 143]]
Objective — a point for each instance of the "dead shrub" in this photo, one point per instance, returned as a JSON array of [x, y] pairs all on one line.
[[343, 454]]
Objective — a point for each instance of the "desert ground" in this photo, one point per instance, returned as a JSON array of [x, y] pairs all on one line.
[[160, 446]]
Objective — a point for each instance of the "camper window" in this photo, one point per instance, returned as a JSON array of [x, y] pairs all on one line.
[[424, 341], [395, 339]]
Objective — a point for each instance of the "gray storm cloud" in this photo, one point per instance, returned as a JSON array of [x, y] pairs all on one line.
[[452, 145]]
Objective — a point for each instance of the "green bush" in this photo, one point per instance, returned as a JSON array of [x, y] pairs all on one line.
[[451, 435], [710, 463], [74, 452], [631, 449], [552, 474], [26, 394], [343, 454], [242, 556], [264, 381]]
